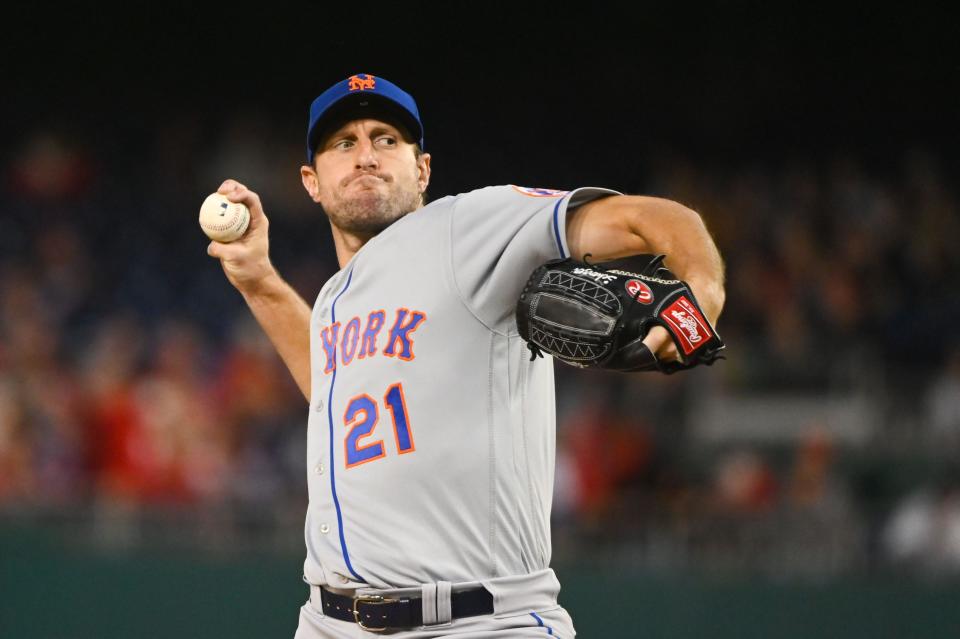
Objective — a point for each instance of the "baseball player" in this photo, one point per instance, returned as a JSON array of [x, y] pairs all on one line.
[[430, 432]]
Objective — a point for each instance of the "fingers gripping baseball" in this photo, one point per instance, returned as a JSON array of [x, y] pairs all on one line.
[[237, 192], [246, 261]]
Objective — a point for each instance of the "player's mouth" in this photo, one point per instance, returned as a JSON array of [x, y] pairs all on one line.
[[366, 179]]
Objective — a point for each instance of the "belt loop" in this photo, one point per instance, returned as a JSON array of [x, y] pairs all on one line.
[[428, 596], [444, 609], [316, 600]]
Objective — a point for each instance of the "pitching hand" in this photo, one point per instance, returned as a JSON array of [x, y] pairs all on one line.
[[245, 261]]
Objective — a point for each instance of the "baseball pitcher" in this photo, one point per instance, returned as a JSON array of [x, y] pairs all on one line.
[[431, 422]]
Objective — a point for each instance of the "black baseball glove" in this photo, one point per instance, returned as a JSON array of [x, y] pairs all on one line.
[[596, 315]]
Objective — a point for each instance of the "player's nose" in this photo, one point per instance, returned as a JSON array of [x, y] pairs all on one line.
[[366, 155]]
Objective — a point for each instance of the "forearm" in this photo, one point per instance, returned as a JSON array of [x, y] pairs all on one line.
[[624, 225], [679, 233], [285, 318]]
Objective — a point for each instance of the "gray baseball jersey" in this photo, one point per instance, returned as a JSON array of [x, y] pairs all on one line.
[[431, 435]]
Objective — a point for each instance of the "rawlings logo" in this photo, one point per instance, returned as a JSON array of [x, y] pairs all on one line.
[[687, 324], [639, 291], [603, 278], [366, 83]]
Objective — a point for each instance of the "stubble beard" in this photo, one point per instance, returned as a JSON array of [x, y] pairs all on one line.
[[371, 211]]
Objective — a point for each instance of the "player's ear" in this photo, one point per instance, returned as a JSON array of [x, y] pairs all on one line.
[[423, 171], [310, 181]]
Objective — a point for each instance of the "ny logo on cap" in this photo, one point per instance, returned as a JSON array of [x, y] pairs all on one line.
[[360, 84]]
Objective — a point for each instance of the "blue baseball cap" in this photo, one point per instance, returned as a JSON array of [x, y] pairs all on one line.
[[355, 95]]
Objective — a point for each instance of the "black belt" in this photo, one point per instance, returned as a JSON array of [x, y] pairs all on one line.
[[376, 613]]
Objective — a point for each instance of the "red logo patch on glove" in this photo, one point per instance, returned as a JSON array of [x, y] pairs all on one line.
[[639, 291], [687, 324]]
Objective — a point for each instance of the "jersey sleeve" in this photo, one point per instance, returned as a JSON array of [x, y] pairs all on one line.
[[499, 235]]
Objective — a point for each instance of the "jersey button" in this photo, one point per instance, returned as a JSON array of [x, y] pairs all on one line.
[[319, 405], [344, 580], [324, 528], [318, 468]]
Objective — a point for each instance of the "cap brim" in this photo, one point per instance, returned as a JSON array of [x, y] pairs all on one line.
[[364, 105]]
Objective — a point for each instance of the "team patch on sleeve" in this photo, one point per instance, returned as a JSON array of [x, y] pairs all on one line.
[[534, 192]]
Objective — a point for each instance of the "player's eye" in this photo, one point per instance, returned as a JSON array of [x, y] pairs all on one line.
[[387, 140], [343, 144]]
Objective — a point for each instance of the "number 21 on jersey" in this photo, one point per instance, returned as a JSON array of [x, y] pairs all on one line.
[[361, 419]]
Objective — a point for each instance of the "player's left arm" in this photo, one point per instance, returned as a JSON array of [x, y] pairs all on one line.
[[622, 225]]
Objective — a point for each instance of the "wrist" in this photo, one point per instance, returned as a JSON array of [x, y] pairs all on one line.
[[265, 287], [710, 296]]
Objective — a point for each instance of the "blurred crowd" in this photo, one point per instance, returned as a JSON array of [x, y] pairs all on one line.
[[131, 374]]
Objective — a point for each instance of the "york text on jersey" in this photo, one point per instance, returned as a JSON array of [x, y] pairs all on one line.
[[356, 342]]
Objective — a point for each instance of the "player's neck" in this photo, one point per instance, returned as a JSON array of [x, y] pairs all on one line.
[[347, 244]]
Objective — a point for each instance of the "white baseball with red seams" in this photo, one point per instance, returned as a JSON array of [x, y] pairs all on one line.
[[223, 220]]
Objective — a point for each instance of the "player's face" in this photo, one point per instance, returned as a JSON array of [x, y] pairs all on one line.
[[366, 176]]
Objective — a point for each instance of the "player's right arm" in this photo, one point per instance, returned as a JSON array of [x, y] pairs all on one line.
[[280, 311]]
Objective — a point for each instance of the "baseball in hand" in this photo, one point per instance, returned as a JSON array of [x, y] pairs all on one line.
[[223, 220]]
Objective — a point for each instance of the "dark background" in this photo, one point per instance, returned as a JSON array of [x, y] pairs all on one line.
[[602, 88]]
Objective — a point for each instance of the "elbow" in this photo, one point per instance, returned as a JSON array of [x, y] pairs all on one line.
[[681, 233], [665, 226], [686, 214]]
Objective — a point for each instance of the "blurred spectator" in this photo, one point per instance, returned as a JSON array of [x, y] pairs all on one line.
[[744, 483], [604, 451], [47, 168], [943, 406], [924, 531], [811, 479], [16, 463]]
